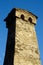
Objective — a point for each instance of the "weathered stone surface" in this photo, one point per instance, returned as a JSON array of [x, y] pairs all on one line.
[[26, 48], [22, 45]]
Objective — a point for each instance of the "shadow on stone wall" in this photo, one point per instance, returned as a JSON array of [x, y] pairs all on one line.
[[10, 46]]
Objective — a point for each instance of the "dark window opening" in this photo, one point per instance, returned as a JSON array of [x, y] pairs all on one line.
[[22, 17], [30, 19]]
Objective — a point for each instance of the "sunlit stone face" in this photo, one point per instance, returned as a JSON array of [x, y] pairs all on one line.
[[22, 46], [26, 47]]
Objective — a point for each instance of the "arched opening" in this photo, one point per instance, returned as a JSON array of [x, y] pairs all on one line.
[[30, 19], [22, 17]]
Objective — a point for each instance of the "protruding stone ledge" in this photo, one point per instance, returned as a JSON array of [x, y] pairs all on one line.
[[20, 13]]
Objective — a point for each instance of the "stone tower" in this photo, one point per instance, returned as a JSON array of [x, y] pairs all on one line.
[[22, 45]]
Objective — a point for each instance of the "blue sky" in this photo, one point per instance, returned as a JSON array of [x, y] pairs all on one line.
[[35, 6]]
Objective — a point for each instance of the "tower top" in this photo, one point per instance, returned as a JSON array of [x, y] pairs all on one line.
[[27, 12], [20, 13]]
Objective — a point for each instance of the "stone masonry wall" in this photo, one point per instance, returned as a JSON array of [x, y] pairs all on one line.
[[22, 45], [26, 48]]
